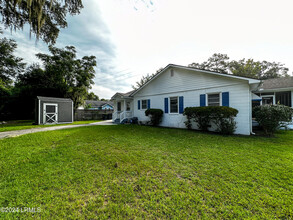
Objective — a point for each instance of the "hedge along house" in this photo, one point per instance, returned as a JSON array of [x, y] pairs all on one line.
[[51, 110], [177, 87]]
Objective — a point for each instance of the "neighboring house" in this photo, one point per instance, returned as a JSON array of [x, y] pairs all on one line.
[[275, 91], [98, 105], [177, 87]]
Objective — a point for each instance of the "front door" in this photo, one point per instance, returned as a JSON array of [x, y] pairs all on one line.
[[50, 113]]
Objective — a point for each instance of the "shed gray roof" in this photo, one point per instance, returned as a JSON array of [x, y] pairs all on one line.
[[97, 104], [53, 99], [277, 83]]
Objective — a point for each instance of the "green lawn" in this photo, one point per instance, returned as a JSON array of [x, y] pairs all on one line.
[[26, 124], [129, 172]]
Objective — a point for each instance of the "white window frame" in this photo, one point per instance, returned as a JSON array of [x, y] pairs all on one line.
[[174, 113], [214, 93], [142, 104]]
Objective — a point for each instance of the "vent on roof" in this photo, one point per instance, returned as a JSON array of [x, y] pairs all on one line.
[[172, 72]]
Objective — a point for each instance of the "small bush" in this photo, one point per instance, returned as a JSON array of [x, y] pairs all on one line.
[[201, 115], [270, 116], [188, 112], [226, 126], [155, 115], [222, 116]]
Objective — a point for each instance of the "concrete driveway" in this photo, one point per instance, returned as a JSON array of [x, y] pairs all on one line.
[[7, 134]]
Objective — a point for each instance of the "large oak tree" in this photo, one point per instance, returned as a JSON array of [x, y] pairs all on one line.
[[45, 17]]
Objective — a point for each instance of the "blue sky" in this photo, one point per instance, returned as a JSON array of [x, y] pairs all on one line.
[[131, 38]]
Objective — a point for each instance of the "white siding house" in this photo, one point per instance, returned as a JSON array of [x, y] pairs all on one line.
[[177, 87]]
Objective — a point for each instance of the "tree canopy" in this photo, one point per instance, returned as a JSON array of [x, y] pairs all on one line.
[[248, 68], [73, 76], [10, 65], [217, 63], [45, 17], [92, 96]]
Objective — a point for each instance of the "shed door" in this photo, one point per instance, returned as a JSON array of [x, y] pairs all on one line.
[[50, 113]]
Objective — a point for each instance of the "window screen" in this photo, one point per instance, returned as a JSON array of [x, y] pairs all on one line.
[[173, 104], [144, 104], [214, 99], [283, 98]]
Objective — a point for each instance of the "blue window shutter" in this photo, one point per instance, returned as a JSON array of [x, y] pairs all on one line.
[[138, 104], [202, 100], [181, 105], [149, 103], [225, 99], [166, 105]]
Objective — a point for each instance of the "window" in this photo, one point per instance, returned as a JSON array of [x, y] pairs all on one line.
[[214, 99], [268, 100], [283, 98], [144, 104], [119, 106], [127, 106], [173, 104]]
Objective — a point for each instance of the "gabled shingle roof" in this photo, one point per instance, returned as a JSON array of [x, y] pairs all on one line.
[[277, 83]]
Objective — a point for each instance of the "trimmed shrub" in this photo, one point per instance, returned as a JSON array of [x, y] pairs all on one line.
[[155, 116], [188, 112], [200, 115], [270, 116], [222, 116]]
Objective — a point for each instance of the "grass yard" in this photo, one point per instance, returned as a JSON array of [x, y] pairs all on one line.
[[27, 124], [128, 172]]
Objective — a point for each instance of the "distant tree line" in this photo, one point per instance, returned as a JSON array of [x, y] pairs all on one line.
[[247, 68]]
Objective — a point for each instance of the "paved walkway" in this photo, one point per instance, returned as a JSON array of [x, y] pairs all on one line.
[[34, 130]]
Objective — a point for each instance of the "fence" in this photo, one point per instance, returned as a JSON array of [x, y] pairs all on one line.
[[86, 114]]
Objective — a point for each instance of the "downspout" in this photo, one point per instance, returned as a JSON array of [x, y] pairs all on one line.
[[250, 105], [250, 112]]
